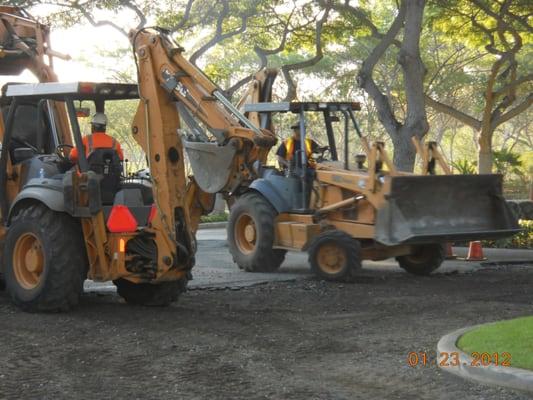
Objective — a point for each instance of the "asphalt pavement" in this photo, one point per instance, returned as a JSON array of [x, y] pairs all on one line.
[[215, 269]]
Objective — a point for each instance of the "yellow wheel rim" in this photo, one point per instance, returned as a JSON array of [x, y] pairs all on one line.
[[245, 233], [28, 261], [331, 258]]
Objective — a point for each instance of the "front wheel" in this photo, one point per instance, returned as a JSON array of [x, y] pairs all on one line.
[[45, 261], [334, 256], [251, 234], [424, 260]]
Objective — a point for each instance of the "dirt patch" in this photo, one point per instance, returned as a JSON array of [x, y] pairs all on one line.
[[293, 340]]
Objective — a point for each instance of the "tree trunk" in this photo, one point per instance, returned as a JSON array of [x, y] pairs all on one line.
[[485, 152], [416, 123], [409, 17], [404, 153]]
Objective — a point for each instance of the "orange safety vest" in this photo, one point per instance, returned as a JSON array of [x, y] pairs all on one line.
[[97, 140], [101, 145], [289, 146]]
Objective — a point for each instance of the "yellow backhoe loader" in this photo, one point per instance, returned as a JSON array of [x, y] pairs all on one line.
[[63, 222], [343, 212]]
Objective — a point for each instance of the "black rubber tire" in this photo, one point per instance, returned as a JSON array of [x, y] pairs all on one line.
[[346, 243], [426, 259], [263, 258], [65, 260], [148, 294]]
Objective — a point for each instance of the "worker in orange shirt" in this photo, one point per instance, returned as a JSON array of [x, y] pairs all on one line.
[[289, 147], [98, 139]]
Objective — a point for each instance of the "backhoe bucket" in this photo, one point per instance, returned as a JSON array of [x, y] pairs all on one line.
[[444, 208], [211, 164]]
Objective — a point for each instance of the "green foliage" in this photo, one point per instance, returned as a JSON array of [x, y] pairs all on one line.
[[453, 48], [222, 217], [526, 159], [522, 240], [465, 167], [507, 162]]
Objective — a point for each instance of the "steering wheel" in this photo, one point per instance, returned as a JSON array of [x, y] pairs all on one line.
[[62, 153], [321, 151]]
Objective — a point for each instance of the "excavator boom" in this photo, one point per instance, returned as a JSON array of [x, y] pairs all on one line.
[[222, 158]]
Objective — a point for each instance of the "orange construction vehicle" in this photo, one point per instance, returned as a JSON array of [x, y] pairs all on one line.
[[342, 212], [63, 222]]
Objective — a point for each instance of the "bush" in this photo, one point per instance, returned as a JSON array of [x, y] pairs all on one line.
[[522, 240], [465, 167], [222, 217]]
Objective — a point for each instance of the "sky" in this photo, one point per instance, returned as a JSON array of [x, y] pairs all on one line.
[[82, 43]]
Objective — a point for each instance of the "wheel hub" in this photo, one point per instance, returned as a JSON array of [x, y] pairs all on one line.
[[245, 233], [249, 232], [28, 260], [331, 258]]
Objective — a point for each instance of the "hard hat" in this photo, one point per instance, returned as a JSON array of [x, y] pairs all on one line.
[[99, 119]]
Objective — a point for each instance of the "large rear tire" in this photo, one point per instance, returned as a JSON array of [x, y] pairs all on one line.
[[424, 260], [334, 256], [45, 261], [148, 294], [251, 234]]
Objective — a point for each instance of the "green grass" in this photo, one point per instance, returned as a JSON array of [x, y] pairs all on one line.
[[214, 217], [514, 336]]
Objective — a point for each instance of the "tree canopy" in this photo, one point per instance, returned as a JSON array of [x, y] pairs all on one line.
[[460, 69]]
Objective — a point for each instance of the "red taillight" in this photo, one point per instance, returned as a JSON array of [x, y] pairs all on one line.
[[121, 220], [153, 212]]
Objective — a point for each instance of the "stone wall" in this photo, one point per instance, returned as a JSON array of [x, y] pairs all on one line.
[[523, 209]]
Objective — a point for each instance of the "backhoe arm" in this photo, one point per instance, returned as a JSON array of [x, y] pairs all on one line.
[[184, 84], [166, 79]]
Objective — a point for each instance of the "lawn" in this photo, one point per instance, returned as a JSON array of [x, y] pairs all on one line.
[[222, 217], [514, 336]]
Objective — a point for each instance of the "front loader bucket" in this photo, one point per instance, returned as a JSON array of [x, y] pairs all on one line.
[[444, 208]]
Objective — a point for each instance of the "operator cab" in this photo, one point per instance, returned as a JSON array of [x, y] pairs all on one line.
[[294, 186], [32, 132], [36, 144]]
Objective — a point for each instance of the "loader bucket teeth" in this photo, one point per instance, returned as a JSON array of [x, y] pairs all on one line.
[[425, 209]]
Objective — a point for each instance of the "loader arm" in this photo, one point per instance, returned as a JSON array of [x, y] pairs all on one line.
[[258, 91]]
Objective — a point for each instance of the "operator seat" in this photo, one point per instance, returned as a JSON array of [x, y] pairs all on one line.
[[106, 163]]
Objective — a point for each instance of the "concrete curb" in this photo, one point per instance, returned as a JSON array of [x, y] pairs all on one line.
[[515, 378], [212, 225]]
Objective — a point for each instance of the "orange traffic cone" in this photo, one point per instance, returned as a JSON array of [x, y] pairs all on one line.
[[449, 252], [475, 252]]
